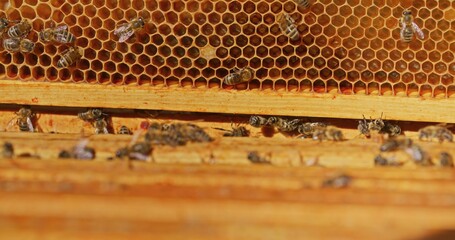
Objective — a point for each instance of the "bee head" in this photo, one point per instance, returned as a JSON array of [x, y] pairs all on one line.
[[141, 21], [407, 12]]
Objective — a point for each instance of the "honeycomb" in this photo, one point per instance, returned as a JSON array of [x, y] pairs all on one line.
[[347, 46]]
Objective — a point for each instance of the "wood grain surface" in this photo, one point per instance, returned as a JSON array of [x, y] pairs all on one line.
[[265, 102]]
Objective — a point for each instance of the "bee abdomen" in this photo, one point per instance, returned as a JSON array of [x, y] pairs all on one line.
[[303, 3], [232, 79]]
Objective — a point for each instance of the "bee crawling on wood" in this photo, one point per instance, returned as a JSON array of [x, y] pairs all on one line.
[[237, 131], [80, 151], [7, 150], [409, 27], [440, 132], [18, 45], [126, 30], [328, 133], [91, 114], [59, 34], [24, 120], [396, 143], [255, 158], [283, 125], [239, 76], [380, 160], [287, 26], [418, 155], [307, 129], [378, 125], [340, 181], [195, 133], [136, 150], [258, 121], [124, 130], [100, 125], [445, 159], [69, 57], [20, 29]]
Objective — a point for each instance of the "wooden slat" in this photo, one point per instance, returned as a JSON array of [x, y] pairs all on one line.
[[226, 101], [73, 199], [354, 153]]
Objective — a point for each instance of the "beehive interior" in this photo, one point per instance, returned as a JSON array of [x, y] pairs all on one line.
[[350, 46]]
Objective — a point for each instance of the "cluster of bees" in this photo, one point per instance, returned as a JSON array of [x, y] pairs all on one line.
[[17, 31], [417, 154], [288, 27], [179, 134], [316, 130]]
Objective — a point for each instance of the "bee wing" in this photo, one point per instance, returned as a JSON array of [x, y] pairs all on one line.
[[125, 36], [120, 29], [418, 30], [61, 28], [30, 125], [10, 123]]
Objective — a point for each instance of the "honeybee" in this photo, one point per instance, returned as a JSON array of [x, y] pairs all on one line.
[[303, 3], [379, 160], [238, 131], [124, 130], [438, 131], [257, 121], [409, 27], [58, 34], [7, 150], [378, 125], [100, 125], [20, 30], [419, 156], [239, 76], [164, 135], [91, 114], [194, 133], [307, 129], [287, 26], [80, 151], [390, 129], [393, 144], [69, 57], [255, 158], [140, 151], [327, 133], [4, 23], [126, 30], [24, 120], [445, 159], [283, 124], [340, 181], [18, 45], [363, 127]]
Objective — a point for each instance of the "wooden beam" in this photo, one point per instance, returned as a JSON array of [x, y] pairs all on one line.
[[227, 101]]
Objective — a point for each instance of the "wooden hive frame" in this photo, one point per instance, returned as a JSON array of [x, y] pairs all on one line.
[[341, 68]]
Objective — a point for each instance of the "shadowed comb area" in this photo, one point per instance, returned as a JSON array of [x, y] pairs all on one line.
[[346, 46]]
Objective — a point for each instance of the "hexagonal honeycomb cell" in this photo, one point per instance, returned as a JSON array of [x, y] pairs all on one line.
[[347, 47]]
